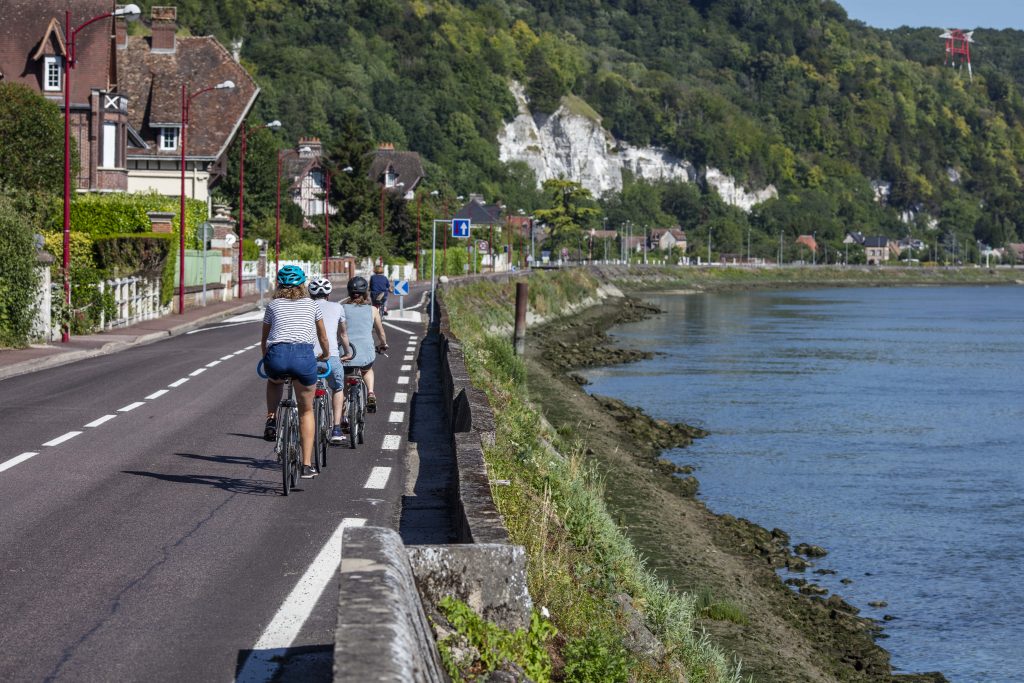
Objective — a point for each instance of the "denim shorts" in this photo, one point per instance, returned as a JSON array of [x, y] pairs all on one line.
[[291, 360], [335, 379]]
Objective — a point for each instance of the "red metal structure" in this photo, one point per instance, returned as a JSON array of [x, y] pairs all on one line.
[[958, 48]]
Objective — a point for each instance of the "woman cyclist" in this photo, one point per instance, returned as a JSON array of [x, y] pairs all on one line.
[[291, 323], [334, 321], [380, 287], [363, 321]]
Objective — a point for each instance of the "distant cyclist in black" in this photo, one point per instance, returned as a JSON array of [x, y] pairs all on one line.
[[380, 287]]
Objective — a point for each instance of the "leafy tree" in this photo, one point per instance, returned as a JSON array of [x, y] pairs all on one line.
[[19, 281], [31, 141], [571, 210]]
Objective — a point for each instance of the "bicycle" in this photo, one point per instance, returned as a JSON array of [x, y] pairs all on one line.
[[355, 406], [287, 446], [323, 410]]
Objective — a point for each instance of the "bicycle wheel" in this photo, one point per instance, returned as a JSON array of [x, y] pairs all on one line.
[[362, 413], [321, 430], [284, 438], [328, 422], [354, 424], [294, 448]]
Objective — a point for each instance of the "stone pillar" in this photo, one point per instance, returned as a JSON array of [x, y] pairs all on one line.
[[161, 221], [225, 240]]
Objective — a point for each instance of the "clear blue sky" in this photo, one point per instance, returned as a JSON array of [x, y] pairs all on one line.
[[965, 14]]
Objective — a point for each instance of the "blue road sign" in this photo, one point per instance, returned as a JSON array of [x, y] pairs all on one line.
[[401, 288], [460, 227]]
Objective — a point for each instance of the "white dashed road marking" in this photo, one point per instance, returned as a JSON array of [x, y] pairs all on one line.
[[391, 442], [197, 372], [156, 394], [239, 351], [228, 357], [378, 478], [179, 382], [61, 439], [403, 380], [100, 420], [131, 406], [409, 357], [8, 464], [266, 655], [405, 368], [396, 416], [401, 397], [212, 363]]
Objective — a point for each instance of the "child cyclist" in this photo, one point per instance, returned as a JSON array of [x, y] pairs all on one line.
[[334, 321], [291, 324], [363, 321]]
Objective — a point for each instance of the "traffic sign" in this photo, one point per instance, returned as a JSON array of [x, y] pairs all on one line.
[[401, 288], [482, 246], [460, 227]]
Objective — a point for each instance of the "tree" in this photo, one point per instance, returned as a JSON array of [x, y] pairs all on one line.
[[260, 174], [18, 276], [571, 211], [31, 141]]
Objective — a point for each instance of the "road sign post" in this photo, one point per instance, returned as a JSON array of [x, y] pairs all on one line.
[[401, 288]]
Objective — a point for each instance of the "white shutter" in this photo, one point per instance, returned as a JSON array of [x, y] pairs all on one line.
[[109, 145]]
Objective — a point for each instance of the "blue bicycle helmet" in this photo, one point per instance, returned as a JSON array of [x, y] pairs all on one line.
[[290, 276]]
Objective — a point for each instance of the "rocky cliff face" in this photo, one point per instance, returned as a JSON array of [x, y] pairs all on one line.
[[573, 144]]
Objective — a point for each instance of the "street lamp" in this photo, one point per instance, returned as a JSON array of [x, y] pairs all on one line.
[[382, 188], [273, 125], [327, 221], [186, 105], [129, 13]]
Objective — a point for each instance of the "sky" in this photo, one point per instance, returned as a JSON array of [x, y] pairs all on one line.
[[965, 14]]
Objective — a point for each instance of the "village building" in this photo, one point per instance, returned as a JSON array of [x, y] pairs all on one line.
[[396, 170], [304, 177]]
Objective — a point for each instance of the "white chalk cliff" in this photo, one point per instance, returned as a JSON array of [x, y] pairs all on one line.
[[571, 145]]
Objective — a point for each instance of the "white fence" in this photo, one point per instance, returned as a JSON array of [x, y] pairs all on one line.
[[135, 299]]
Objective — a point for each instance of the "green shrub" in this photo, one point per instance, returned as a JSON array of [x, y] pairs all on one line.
[[119, 213], [88, 303], [146, 254], [19, 280], [595, 658]]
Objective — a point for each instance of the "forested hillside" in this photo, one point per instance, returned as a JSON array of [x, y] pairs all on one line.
[[790, 92]]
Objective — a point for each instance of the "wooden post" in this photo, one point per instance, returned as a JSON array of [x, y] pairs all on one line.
[[519, 337]]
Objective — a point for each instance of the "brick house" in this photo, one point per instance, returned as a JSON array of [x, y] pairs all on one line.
[[396, 170], [153, 70], [33, 53], [877, 250]]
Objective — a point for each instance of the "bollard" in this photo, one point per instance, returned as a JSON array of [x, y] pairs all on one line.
[[519, 338]]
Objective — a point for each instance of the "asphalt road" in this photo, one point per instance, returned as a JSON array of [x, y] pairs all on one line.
[[147, 537]]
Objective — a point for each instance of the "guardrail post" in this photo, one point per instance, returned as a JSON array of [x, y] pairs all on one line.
[[519, 337]]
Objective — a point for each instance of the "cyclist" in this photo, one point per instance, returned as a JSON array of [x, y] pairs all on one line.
[[380, 288], [291, 325], [363, 321], [334, 321]]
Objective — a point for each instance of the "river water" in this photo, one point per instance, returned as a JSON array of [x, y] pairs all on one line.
[[886, 425]]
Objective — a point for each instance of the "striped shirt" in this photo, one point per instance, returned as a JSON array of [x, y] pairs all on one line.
[[292, 321]]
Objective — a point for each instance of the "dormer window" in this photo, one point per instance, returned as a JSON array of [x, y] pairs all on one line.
[[52, 72], [169, 138], [390, 178]]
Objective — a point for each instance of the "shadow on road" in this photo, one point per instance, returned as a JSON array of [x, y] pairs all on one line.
[[231, 484], [258, 463], [308, 664], [247, 436]]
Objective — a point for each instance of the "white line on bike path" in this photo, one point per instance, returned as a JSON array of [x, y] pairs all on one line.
[[405, 368], [396, 416], [197, 372], [61, 439], [228, 357], [409, 357], [401, 397], [378, 478], [264, 660], [156, 394], [391, 442], [212, 363], [100, 420], [8, 464], [179, 382], [131, 406], [396, 327], [403, 380]]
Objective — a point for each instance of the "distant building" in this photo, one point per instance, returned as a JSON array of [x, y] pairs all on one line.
[[668, 239], [395, 170], [808, 241], [878, 250], [154, 69], [33, 53], [854, 238], [304, 177], [480, 213]]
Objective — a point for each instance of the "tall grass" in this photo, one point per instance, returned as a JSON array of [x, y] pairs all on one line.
[[579, 560]]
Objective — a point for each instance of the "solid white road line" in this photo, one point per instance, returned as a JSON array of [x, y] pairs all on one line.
[[264, 660], [403, 380], [156, 394], [401, 397], [396, 416], [391, 442], [197, 372], [396, 327], [100, 420], [405, 368], [228, 357], [378, 478], [61, 439], [179, 382], [8, 464], [212, 363], [131, 406]]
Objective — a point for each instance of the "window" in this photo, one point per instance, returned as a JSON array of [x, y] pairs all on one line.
[[390, 178], [168, 138], [52, 66], [109, 145]]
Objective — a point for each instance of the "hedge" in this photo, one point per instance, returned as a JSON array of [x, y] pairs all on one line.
[[19, 280], [120, 213], [146, 254]]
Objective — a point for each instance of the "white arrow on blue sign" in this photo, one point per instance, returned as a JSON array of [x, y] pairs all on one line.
[[401, 288], [460, 227]]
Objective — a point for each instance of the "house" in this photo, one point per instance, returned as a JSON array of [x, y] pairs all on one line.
[[1015, 252], [155, 70], [302, 172], [480, 213], [667, 239], [395, 170], [33, 52], [808, 241], [634, 242], [854, 238], [877, 250]]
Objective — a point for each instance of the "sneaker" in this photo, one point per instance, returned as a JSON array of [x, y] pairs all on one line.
[[344, 427], [270, 430], [336, 435], [308, 472], [371, 403]]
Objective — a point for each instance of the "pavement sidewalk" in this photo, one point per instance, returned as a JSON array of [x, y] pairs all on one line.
[[39, 356]]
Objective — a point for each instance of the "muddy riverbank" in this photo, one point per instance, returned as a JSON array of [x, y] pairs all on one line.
[[780, 634]]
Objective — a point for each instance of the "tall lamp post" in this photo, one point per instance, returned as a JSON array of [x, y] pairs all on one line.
[[277, 216], [129, 13], [273, 125], [382, 188], [327, 221], [186, 105]]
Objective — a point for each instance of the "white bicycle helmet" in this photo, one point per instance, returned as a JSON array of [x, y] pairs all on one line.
[[320, 286]]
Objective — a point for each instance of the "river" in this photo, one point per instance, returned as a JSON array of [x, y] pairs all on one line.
[[886, 425]]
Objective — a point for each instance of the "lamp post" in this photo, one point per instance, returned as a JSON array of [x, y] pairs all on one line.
[[273, 125], [327, 222], [186, 105], [129, 13], [382, 188], [277, 217]]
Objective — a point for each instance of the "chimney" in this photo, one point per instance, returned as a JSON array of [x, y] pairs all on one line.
[[164, 25], [236, 50], [386, 147], [120, 32], [310, 148]]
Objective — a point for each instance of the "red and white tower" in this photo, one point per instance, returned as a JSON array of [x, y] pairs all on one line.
[[958, 48]]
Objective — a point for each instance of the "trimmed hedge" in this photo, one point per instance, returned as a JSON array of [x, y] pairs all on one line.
[[147, 254], [119, 213]]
